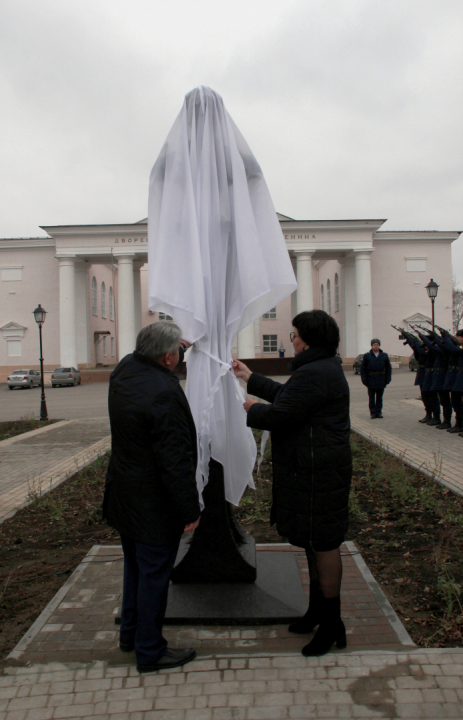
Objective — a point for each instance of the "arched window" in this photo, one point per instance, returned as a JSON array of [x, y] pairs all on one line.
[[322, 297], [111, 303], [328, 295], [336, 292], [94, 303], [103, 300]]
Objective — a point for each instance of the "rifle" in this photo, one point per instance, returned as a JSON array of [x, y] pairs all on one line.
[[404, 333], [420, 335], [445, 333]]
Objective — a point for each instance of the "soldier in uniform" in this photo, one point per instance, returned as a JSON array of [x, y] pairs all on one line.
[[419, 352], [435, 345], [455, 374], [376, 372], [430, 397]]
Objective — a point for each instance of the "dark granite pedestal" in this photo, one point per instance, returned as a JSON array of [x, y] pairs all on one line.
[[275, 597]]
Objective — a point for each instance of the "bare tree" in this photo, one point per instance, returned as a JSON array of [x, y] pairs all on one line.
[[457, 305]]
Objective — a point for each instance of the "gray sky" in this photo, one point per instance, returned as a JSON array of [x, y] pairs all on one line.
[[353, 108]]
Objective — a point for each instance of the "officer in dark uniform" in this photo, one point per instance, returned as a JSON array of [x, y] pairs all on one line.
[[430, 397], [376, 373], [436, 346], [456, 366], [419, 352]]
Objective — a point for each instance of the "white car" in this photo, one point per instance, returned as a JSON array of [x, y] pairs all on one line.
[[65, 376], [24, 379]]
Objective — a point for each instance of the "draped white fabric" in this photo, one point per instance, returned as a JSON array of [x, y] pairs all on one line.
[[217, 260]]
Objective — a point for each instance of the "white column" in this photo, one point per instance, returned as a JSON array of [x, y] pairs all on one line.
[[363, 300], [82, 314], [304, 281], [246, 342], [126, 305], [349, 307], [67, 313], [137, 296]]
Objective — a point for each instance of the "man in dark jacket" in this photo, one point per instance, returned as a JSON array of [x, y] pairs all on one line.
[[151, 496], [376, 373]]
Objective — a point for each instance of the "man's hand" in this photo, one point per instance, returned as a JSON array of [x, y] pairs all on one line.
[[192, 526], [241, 370], [185, 343], [248, 404]]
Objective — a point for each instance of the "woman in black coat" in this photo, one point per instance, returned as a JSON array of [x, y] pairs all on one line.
[[312, 464]]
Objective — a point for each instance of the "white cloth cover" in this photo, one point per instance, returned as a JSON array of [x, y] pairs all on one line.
[[217, 260]]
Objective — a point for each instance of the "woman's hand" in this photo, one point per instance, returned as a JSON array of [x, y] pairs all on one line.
[[248, 404], [192, 526], [241, 370]]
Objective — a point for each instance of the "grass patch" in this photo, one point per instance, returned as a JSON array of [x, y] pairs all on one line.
[[11, 428]]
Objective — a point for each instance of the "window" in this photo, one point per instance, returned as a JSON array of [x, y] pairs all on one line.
[[271, 314], [112, 347], [416, 264], [103, 300], [328, 295], [10, 273], [111, 303], [322, 297], [13, 348], [336, 292], [270, 343], [163, 316], [104, 345], [94, 308]]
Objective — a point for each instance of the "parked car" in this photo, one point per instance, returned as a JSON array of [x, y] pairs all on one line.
[[23, 378], [65, 376], [412, 363], [357, 364]]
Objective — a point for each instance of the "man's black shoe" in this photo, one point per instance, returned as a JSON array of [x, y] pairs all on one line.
[[172, 659], [455, 429], [126, 645], [434, 422], [373, 416], [380, 415], [443, 426], [426, 418]]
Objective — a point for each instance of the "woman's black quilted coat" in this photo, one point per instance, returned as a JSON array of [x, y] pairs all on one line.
[[312, 463]]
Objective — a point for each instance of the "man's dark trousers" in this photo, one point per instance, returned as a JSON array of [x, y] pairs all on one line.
[[147, 571], [375, 398]]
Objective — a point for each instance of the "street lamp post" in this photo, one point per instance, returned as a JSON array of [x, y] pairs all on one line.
[[432, 289], [39, 315]]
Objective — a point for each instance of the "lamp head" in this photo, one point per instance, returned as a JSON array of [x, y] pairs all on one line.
[[39, 315], [432, 289]]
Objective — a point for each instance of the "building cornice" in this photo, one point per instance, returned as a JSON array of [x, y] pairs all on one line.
[[419, 235], [289, 226], [17, 243], [58, 231]]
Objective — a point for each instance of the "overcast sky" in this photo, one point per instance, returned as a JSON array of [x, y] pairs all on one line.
[[354, 108]]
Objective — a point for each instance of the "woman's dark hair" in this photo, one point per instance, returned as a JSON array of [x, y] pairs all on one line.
[[317, 329]]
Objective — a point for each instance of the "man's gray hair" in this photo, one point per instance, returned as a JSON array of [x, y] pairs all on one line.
[[157, 339]]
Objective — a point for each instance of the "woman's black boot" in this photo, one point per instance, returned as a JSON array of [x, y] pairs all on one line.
[[312, 618], [330, 631]]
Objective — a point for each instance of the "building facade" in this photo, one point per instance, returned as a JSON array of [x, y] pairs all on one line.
[[92, 280]]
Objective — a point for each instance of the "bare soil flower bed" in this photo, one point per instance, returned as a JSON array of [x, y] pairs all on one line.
[[11, 428], [408, 528]]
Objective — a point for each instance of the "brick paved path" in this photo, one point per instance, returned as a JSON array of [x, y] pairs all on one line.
[[39, 460], [78, 624], [435, 452], [418, 684]]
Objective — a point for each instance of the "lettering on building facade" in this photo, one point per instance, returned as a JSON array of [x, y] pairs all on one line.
[[299, 237], [129, 240]]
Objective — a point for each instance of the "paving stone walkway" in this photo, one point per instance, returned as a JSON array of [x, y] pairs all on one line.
[[435, 452], [417, 684], [78, 623], [37, 461]]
